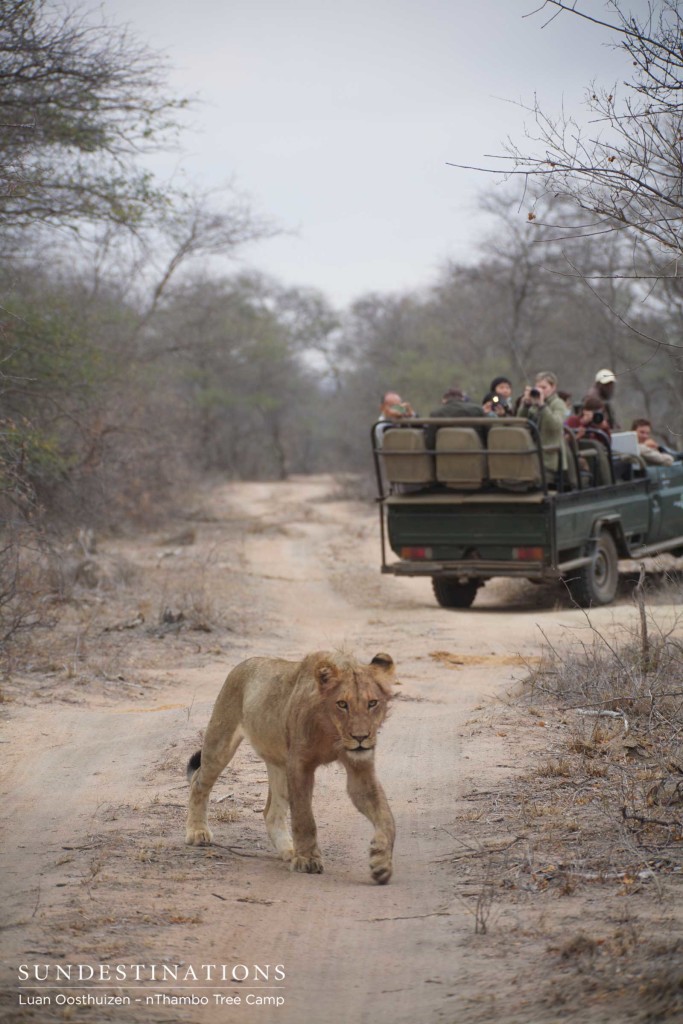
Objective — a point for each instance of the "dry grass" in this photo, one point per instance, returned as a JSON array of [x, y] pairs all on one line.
[[87, 615], [23, 590], [615, 779], [595, 827]]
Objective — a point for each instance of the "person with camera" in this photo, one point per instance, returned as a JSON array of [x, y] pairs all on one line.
[[494, 405], [541, 404], [603, 389], [392, 409], [590, 422], [500, 392]]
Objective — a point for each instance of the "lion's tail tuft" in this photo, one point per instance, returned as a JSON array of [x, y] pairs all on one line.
[[193, 764]]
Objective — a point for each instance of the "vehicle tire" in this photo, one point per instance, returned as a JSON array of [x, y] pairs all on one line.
[[452, 593], [597, 583]]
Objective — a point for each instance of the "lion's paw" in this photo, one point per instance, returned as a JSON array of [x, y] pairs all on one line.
[[311, 865], [381, 867], [286, 854], [198, 837]]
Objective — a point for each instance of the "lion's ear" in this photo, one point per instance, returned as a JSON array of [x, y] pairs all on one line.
[[382, 666], [326, 674], [383, 661]]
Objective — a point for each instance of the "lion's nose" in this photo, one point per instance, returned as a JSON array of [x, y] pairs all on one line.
[[359, 739]]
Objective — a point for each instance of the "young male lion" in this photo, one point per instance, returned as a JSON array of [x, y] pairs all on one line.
[[298, 715]]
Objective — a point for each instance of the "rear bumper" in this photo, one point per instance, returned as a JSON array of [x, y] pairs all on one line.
[[471, 569], [481, 569]]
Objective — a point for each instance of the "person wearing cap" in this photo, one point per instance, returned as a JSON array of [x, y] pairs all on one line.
[[494, 405], [603, 390], [501, 387]]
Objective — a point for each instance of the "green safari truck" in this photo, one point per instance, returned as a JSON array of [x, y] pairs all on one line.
[[469, 499]]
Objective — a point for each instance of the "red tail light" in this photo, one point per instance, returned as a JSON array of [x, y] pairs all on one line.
[[528, 554], [425, 553]]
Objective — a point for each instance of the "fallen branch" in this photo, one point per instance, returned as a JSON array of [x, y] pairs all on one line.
[[605, 714], [632, 816]]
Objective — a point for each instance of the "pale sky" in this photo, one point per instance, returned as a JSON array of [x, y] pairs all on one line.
[[338, 118]]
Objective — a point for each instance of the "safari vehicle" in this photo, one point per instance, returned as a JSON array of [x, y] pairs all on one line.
[[478, 503]]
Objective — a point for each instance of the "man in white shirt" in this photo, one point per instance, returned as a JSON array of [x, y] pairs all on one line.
[[648, 448]]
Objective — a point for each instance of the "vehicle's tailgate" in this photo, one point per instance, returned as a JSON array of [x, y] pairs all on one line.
[[450, 531]]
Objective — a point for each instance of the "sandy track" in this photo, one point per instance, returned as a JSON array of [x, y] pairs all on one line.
[[94, 869]]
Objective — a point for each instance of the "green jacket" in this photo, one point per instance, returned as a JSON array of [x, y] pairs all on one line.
[[456, 407], [549, 419]]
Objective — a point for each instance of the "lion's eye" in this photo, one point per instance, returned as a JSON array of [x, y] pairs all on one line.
[[372, 703], [342, 704]]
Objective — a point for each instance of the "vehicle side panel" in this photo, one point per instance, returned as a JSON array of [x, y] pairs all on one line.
[[626, 503], [667, 497]]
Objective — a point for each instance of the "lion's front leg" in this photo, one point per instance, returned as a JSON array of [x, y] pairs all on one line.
[[307, 856], [275, 814], [368, 796]]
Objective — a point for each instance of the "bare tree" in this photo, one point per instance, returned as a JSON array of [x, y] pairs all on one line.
[[621, 168], [624, 167]]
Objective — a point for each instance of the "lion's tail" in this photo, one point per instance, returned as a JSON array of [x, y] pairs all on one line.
[[193, 765]]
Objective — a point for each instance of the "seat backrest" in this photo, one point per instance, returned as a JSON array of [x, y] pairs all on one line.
[[513, 457], [405, 457], [460, 458], [598, 462], [573, 468]]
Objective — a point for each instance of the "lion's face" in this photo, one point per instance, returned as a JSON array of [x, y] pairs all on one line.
[[356, 698]]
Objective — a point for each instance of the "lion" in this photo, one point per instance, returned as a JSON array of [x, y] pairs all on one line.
[[297, 716]]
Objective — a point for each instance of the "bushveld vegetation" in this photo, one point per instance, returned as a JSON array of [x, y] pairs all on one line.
[[603, 809], [129, 365]]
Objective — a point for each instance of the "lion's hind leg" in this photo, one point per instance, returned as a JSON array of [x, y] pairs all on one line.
[[276, 812], [203, 769]]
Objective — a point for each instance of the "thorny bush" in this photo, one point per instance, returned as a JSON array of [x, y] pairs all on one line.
[[622, 695]]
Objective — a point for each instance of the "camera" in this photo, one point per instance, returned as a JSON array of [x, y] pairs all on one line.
[[496, 399], [534, 393], [598, 417]]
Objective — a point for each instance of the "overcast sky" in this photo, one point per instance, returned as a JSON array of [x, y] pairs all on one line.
[[338, 118]]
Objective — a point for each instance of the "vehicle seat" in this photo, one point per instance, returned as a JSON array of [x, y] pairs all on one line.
[[514, 463], [599, 463], [460, 458], [405, 457], [573, 472]]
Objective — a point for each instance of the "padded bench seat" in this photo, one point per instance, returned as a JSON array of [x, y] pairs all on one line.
[[461, 460]]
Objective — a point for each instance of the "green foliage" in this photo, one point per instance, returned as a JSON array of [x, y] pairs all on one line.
[[28, 459], [130, 373], [50, 362], [79, 99]]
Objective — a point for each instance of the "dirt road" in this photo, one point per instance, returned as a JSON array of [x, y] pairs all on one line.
[[94, 868]]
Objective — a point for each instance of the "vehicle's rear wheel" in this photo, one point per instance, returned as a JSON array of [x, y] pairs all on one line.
[[454, 593], [597, 583]]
